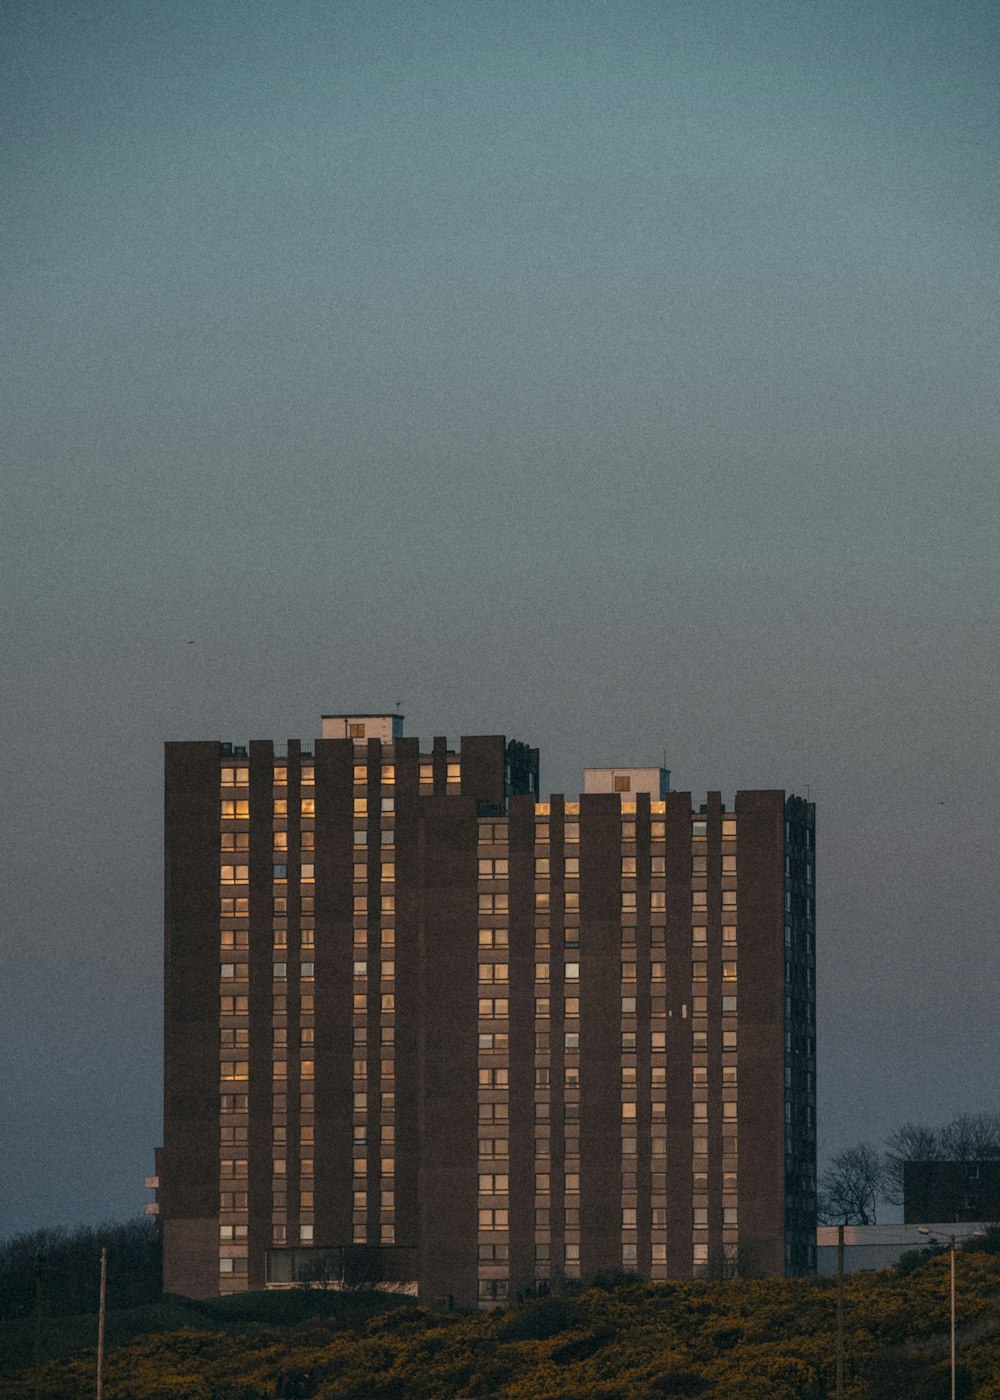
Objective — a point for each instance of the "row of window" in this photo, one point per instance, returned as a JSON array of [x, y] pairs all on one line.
[[240, 875]]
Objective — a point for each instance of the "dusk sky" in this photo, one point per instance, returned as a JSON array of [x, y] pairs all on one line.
[[621, 377]]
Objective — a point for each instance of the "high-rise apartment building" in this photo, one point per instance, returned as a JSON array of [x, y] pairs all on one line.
[[422, 1023]]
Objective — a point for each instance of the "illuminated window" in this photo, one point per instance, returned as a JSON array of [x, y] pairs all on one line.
[[281, 840], [236, 811], [454, 772], [234, 874]]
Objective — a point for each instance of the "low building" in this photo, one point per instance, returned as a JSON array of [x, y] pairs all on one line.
[[882, 1246], [948, 1190]]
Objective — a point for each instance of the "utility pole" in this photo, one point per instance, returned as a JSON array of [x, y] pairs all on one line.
[[952, 1242], [100, 1324], [38, 1326], [840, 1312]]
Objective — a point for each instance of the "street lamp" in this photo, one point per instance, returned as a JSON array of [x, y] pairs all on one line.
[[925, 1230]]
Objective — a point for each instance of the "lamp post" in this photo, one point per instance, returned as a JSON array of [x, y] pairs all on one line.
[[924, 1230]]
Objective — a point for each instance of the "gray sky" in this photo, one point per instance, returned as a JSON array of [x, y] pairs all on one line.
[[621, 377]]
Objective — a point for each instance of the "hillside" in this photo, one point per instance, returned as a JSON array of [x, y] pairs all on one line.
[[738, 1340]]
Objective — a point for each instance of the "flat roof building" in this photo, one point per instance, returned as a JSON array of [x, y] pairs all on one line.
[[424, 1024]]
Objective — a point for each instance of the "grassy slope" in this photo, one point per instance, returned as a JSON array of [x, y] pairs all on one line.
[[767, 1340]]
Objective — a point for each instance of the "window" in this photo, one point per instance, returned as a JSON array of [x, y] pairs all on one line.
[[236, 811], [729, 972], [356, 731], [234, 874], [308, 806], [729, 1006], [571, 972], [454, 772], [280, 873], [572, 867], [281, 840]]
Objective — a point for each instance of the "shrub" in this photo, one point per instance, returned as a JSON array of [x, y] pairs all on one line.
[[539, 1319]]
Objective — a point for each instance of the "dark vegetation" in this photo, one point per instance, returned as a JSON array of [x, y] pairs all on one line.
[[749, 1339]]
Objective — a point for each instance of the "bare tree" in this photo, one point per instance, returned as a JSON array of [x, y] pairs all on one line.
[[971, 1137], [913, 1142], [851, 1187]]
